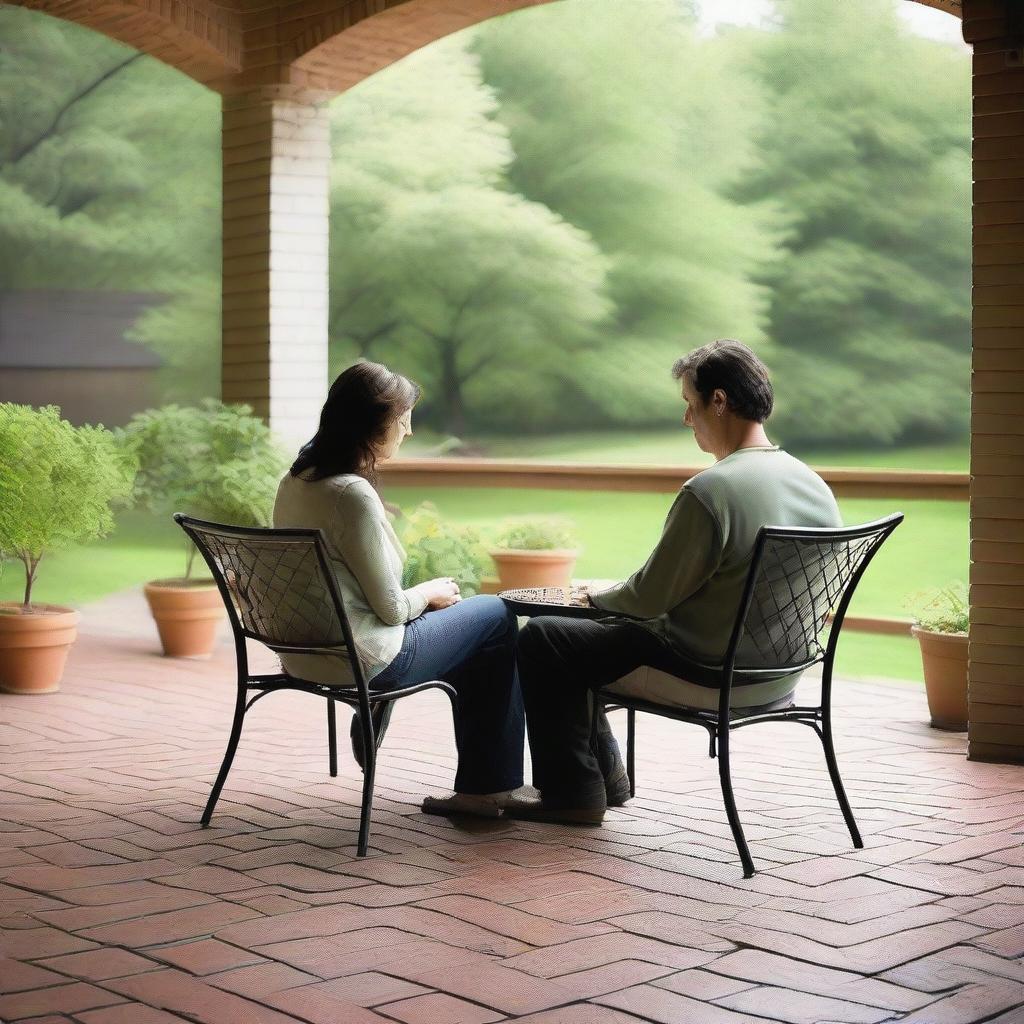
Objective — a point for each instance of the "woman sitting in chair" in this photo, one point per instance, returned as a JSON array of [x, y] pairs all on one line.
[[403, 636]]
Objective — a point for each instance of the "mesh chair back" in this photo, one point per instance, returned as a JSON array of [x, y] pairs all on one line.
[[797, 579], [277, 583]]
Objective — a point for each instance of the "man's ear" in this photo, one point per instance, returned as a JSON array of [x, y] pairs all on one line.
[[719, 399]]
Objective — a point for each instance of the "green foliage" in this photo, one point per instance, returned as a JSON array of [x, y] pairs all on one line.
[[185, 333], [640, 157], [534, 221], [215, 461], [58, 484], [864, 148], [437, 548], [109, 172], [537, 533], [436, 267], [944, 611]]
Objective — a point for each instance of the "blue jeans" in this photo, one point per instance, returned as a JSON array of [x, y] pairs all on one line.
[[470, 645]]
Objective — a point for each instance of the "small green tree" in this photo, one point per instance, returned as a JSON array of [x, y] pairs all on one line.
[[57, 484], [215, 461], [435, 548]]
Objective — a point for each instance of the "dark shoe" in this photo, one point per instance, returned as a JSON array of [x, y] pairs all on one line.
[[609, 760], [616, 787], [531, 809], [380, 716]]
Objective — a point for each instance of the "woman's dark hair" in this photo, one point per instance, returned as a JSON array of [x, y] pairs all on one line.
[[362, 404], [731, 366]]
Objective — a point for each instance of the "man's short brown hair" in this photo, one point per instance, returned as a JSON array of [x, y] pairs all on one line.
[[734, 368]]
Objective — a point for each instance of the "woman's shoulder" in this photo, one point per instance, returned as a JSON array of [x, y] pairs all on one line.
[[353, 491], [347, 488]]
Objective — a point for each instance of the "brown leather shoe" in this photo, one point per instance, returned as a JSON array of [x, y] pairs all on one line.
[[531, 809]]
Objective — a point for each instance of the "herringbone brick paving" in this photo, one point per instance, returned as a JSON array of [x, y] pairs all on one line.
[[116, 907]]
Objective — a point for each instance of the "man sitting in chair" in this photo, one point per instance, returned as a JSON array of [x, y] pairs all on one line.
[[676, 613]]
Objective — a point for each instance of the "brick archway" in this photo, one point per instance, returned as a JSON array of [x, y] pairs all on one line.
[[345, 46], [233, 48], [201, 39]]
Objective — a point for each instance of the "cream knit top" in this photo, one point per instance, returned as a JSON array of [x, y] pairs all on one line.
[[367, 560]]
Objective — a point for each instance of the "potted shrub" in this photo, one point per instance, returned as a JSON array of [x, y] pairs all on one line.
[[535, 552], [435, 548], [941, 626], [217, 462], [58, 482]]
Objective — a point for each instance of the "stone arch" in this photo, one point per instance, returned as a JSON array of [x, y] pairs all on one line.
[[198, 38]]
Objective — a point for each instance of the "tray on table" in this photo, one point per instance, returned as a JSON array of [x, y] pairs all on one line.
[[570, 601]]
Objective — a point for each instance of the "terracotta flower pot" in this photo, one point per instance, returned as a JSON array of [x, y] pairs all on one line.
[[945, 677], [533, 568], [34, 646], [187, 614]]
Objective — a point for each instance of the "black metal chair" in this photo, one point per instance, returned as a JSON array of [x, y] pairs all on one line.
[[797, 579], [279, 590]]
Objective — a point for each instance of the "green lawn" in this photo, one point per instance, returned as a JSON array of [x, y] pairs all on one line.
[[140, 549], [617, 532]]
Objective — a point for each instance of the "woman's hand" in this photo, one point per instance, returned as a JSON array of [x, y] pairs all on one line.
[[440, 593]]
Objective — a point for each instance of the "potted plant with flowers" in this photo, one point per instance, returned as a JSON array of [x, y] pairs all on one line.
[[58, 483], [537, 551], [215, 462], [941, 627]]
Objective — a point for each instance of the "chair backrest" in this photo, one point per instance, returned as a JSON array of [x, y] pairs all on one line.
[[277, 584], [798, 578]]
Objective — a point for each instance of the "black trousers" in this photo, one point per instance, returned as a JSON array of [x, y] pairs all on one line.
[[561, 662]]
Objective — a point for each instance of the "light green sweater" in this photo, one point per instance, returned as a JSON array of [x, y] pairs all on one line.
[[689, 590]]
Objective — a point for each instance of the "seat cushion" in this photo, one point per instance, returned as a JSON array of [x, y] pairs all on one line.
[[651, 684]]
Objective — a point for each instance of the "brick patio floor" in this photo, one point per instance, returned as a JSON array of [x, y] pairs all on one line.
[[117, 908]]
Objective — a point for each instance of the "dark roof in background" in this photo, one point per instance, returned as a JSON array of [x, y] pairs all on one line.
[[49, 329]]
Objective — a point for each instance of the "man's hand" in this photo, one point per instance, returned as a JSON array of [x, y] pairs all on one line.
[[440, 593]]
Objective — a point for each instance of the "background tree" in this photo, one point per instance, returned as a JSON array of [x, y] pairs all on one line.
[[637, 145], [435, 265], [109, 175], [865, 148]]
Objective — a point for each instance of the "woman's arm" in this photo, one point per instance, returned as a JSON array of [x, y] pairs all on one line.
[[364, 545]]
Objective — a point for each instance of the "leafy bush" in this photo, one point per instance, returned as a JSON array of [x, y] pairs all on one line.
[[435, 548], [537, 534], [216, 462], [58, 482], [945, 610]]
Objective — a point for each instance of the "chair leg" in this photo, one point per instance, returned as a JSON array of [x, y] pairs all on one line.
[[730, 804], [369, 770], [229, 756], [837, 782], [631, 749], [332, 739]]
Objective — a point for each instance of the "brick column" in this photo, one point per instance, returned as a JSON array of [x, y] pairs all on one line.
[[276, 168], [996, 692]]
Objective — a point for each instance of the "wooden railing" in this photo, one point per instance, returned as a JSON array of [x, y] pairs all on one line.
[[845, 483]]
